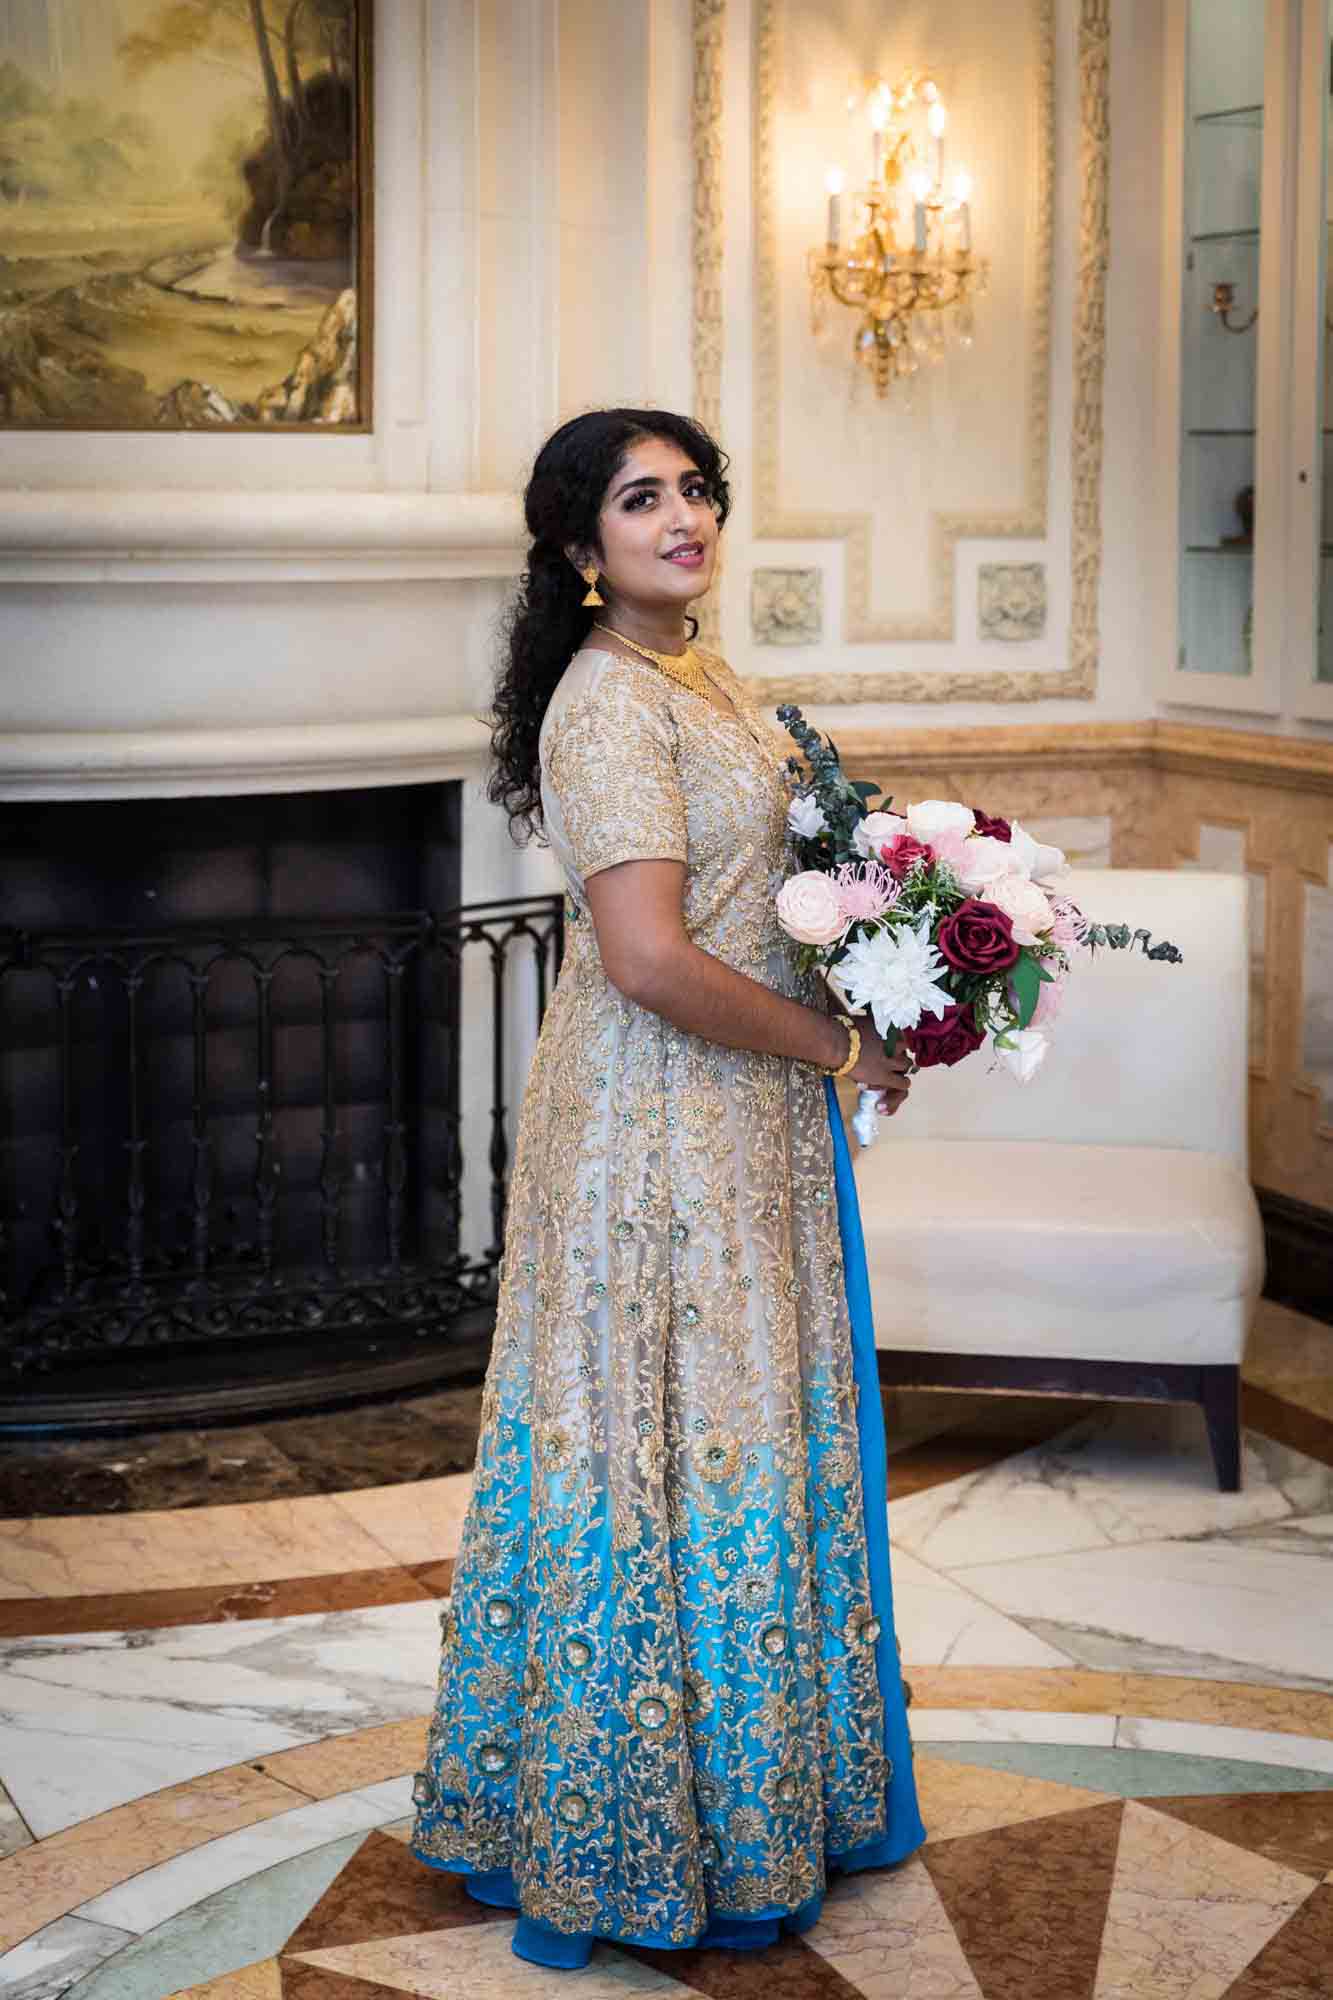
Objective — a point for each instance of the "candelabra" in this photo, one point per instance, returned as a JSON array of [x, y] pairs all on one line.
[[909, 272]]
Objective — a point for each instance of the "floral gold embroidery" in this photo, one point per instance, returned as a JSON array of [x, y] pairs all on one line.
[[658, 1674]]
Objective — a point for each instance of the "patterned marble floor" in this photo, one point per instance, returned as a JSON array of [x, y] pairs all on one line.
[[1123, 1715]]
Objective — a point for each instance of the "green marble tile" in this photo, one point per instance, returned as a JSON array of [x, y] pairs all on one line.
[[250, 1920], [1130, 1774]]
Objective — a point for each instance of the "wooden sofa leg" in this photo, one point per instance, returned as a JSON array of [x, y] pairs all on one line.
[[1221, 1409]]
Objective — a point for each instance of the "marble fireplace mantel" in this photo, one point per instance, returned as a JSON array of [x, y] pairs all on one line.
[[99, 535], [179, 763]]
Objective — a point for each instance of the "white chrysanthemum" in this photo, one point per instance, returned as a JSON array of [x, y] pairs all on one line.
[[893, 973]]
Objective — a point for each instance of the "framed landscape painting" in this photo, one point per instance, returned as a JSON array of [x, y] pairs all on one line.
[[185, 215]]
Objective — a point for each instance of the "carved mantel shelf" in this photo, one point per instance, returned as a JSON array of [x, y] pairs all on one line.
[[180, 763], [101, 535]]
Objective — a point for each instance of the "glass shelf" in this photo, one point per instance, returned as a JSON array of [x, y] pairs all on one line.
[[1226, 236], [1251, 115], [1219, 548], [1228, 432]]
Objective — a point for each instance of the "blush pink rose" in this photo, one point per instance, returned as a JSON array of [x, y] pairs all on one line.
[[875, 831], [981, 862], [1027, 907], [809, 909]]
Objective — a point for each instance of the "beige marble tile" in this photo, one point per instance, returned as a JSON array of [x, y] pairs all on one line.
[[345, 1763], [1187, 1911], [45, 1881], [475, 1959], [261, 1981], [958, 1799], [14, 1830], [1230, 1704], [1167, 1697], [1074, 1690], [414, 1524], [889, 1935], [75, 1556]]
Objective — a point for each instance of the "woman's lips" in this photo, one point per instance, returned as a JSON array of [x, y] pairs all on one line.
[[689, 556]]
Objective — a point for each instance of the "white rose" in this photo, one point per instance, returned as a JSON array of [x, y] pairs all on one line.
[[932, 816], [1026, 906], [876, 830], [809, 910], [1027, 1054], [805, 816], [980, 862], [1030, 857]]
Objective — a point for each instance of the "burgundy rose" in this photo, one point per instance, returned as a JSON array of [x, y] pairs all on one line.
[[978, 938], [993, 829], [943, 1042], [901, 855]]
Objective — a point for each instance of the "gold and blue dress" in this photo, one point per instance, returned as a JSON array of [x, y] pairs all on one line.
[[669, 1698]]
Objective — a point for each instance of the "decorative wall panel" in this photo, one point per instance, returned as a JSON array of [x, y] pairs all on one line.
[[784, 508], [902, 485]]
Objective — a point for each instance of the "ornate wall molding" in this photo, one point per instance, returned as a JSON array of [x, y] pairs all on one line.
[[1291, 764], [706, 134], [1078, 680], [947, 529]]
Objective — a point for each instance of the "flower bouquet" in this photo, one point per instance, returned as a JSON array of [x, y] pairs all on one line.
[[941, 920]]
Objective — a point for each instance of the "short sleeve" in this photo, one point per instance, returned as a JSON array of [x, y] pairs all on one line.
[[611, 781]]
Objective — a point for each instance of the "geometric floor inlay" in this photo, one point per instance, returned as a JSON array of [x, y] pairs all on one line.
[[1025, 1891]]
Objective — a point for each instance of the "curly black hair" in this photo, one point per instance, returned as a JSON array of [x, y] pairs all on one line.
[[548, 622]]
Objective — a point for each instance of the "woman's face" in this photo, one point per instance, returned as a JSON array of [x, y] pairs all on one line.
[[658, 529]]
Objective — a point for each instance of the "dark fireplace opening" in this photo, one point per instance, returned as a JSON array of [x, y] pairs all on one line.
[[231, 1155]]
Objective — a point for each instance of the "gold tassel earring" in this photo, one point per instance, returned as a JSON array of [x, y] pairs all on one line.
[[589, 575]]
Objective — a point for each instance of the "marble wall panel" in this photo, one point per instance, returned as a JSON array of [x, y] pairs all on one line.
[[1159, 795]]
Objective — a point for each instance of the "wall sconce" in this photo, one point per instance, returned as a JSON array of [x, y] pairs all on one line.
[[909, 272]]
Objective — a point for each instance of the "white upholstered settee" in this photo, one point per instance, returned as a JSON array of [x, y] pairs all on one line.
[[1091, 1232]]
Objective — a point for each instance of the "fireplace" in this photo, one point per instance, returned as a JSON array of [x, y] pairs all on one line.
[[232, 1148]]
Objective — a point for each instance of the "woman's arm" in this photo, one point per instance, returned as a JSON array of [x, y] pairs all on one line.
[[646, 953]]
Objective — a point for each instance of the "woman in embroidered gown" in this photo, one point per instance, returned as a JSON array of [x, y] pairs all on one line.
[[669, 1698]]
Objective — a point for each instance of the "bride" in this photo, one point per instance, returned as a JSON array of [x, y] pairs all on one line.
[[669, 1701]]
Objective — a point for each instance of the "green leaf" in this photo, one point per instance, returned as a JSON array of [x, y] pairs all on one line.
[[1027, 976], [865, 788]]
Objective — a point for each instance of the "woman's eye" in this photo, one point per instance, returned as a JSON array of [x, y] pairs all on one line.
[[635, 499]]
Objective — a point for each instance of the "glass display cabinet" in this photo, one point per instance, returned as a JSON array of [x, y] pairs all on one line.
[[1250, 603]]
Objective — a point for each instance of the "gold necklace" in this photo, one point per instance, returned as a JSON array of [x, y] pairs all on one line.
[[685, 668]]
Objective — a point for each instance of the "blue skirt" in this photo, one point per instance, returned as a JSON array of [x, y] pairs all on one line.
[[903, 1832]]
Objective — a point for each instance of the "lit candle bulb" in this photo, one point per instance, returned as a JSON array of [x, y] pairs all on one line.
[[833, 181], [879, 118], [920, 190], [962, 194], [936, 120]]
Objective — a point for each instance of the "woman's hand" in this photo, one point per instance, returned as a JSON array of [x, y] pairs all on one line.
[[889, 1076]]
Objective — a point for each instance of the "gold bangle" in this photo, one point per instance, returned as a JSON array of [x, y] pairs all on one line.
[[853, 1048]]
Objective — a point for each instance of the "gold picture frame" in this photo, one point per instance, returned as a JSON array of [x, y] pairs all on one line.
[[187, 217]]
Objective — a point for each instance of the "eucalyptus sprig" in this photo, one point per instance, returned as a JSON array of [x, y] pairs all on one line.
[[1119, 937], [841, 799]]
